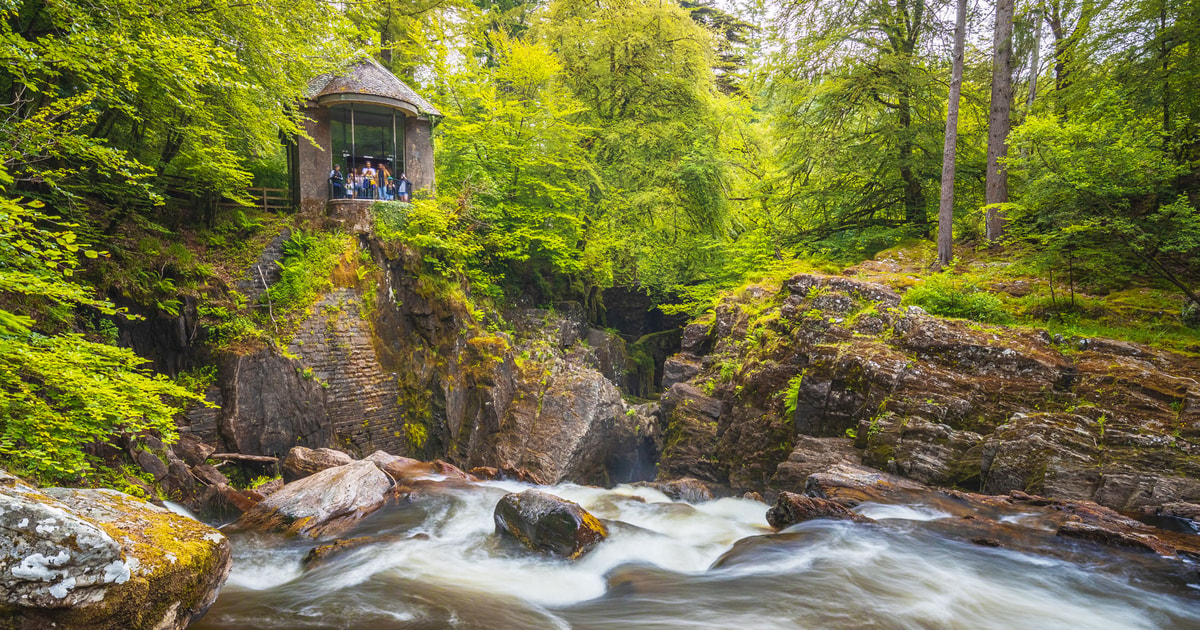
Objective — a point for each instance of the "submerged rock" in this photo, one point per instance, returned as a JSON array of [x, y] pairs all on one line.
[[103, 560], [302, 462], [791, 508], [1113, 537], [544, 522], [325, 504], [686, 489]]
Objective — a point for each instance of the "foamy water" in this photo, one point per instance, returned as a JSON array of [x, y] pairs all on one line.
[[669, 564]]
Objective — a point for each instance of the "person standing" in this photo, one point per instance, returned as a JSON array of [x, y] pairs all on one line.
[[404, 188], [384, 176], [369, 176], [337, 183]]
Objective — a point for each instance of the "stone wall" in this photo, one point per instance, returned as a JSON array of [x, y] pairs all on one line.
[[360, 396], [315, 160], [418, 153]]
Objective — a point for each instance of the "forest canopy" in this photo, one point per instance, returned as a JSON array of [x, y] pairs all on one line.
[[678, 146]]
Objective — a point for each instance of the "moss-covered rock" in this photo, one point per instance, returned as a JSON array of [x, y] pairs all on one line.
[[941, 401], [543, 522], [101, 559]]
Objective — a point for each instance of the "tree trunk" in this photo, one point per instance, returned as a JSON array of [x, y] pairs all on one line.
[[946, 206], [998, 123]]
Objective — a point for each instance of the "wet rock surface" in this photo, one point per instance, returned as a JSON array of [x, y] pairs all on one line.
[[546, 523], [323, 505], [687, 489], [102, 559], [780, 382], [1017, 520], [791, 508]]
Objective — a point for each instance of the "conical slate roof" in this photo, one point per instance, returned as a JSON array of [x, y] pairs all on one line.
[[367, 77]]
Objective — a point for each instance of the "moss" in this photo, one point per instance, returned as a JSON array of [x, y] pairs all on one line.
[[179, 563]]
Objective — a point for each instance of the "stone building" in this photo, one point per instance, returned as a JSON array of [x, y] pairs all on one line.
[[359, 116]]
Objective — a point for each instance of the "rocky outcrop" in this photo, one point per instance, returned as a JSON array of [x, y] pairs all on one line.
[[546, 523], [102, 559], [851, 485], [302, 462], [691, 439], [556, 415], [812, 455], [791, 508], [323, 505], [783, 381], [1016, 520], [269, 405], [394, 363]]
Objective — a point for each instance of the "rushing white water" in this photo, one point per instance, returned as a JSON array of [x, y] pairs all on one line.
[[436, 563]]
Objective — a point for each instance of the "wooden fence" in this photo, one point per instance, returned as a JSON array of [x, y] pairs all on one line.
[[265, 198]]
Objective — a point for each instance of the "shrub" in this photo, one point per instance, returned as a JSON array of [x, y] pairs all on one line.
[[949, 296]]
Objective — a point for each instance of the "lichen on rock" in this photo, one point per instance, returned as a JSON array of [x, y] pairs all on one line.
[[103, 559]]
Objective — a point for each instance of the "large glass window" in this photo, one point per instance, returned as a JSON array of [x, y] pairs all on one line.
[[368, 144]]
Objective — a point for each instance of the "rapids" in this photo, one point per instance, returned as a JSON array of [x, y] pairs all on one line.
[[435, 563]]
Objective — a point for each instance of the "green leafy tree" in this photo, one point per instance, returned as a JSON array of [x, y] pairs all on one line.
[[127, 88], [1101, 194], [61, 394], [859, 115], [511, 146]]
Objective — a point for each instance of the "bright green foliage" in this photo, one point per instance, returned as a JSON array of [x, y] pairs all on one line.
[[791, 397], [37, 256], [118, 89], [449, 248], [60, 394], [513, 149], [1100, 197], [950, 296], [859, 113], [308, 262]]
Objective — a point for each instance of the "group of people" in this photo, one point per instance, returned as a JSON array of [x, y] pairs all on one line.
[[369, 183]]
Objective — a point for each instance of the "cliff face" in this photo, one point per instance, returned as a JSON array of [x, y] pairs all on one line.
[[781, 382], [407, 366]]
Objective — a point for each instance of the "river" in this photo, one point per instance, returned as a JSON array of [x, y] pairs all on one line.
[[435, 563]]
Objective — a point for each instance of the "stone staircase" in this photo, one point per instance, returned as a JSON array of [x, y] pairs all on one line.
[[266, 271]]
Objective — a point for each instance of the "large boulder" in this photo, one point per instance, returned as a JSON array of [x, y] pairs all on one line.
[[323, 505], [302, 462], [269, 406], [563, 425], [543, 522], [102, 559]]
